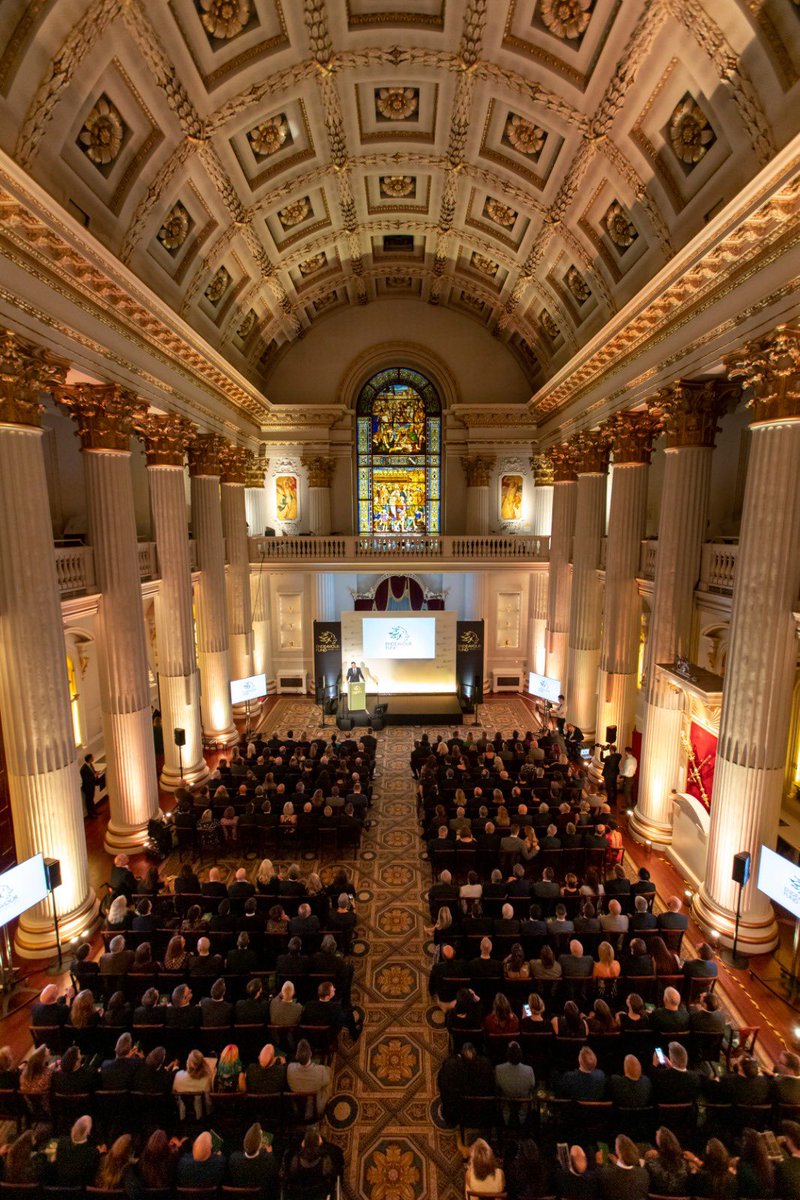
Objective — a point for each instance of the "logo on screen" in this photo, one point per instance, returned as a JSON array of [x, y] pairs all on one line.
[[7, 896], [327, 640], [398, 637], [469, 640], [791, 890]]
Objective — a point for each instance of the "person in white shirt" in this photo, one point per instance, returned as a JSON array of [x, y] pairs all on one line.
[[627, 769], [558, 713]]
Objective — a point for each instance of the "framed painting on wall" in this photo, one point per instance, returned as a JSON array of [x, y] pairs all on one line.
[[511, 497], [287, 506]]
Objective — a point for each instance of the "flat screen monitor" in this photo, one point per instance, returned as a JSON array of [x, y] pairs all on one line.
[[250, 689], [544, 687], [779, 879], [21, 887], [398, 637]]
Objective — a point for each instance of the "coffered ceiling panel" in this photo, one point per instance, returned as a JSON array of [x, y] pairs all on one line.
[[530, 164]]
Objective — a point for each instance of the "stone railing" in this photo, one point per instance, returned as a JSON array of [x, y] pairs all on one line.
[[393, 547], [74, 569], [718, 566], [647, 558], [148, 561]]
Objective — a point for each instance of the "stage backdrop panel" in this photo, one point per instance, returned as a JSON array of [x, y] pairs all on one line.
[[400, 675]]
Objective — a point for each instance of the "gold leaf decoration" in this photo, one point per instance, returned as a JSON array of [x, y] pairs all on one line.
[[399, 281], [102, 133], [577, 285], [566, 19], [218, 286], [483, 264], [397, 186], [223, 19], [294, 213], [397, 103], [175, 229], [523, 135], [309, 265], [621, 228], [549, 325], [268, 136], [501, 214], [324, 300], [247, 325], [690, 133]]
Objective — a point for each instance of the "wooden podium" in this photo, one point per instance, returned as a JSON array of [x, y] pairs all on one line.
[[357, 696]]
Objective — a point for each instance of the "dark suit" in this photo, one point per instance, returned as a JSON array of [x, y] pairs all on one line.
[[259, 1171], [215, 1014], [582, 1085], [675, 1087], [88, 787], [354, 674], [75, 1165], [630, 1093]]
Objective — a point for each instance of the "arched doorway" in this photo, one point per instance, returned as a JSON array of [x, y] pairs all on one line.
[[399, 454]]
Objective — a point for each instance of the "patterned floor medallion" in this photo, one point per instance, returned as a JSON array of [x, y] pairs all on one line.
[[384, 1111]]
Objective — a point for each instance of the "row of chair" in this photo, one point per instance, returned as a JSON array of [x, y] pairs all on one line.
[[178, 1042]]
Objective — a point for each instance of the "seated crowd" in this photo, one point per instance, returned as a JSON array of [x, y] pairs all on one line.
[[572, 1013]]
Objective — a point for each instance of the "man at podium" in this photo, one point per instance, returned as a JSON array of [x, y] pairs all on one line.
[[356, 688]]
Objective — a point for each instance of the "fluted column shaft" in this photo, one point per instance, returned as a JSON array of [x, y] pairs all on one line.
[[124, 683], [478, 509], [262, 634], [324, 595], [565, 495], [179, 683], [537, 622], [43, 778], [319, 510], [681, 530], [756, 701], [619, 655], [240, 617], [542, 510], [255, 502], [211, 609], [586, 601]]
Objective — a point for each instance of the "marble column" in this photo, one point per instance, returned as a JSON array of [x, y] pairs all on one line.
[[255, 498], [235, 463], [690, 410], [41, 757], [324, 596], [106, 415], [477, 472], [586, 600], [542, 505], [166, 437], [262, 628], [320, 473], [631, 436], [565, 494], [210, 602], [762, 654]]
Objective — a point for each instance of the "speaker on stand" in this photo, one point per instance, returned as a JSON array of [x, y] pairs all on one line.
[[611, 735], [52, 871], [180, 742], [740, 874]]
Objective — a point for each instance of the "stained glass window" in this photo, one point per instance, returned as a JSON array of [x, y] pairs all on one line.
[[399, 434]]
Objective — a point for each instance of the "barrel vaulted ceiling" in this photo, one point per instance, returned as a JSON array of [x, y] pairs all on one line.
[[530, 164]]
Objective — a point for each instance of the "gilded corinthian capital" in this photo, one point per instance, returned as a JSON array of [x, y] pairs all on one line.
[[563, 459], [166, 437], [542, 470], [105, 413], [255, 472], [690, 409], [769, 368], [319, 468], [478, 469], [26, 370], [631, 435], [590, 452], [205, 453], [235, 462]]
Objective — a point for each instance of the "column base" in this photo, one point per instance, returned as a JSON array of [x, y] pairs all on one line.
[[121, 838], [193, 773], [616, 705], [180, 708], [36, 938], [557, 658], [215, 697], [643, 830], [758, 933]]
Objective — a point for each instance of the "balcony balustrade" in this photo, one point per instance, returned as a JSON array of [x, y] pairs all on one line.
[[337, 549]]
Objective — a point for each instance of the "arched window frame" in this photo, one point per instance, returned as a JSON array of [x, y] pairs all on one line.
[[430, 461]]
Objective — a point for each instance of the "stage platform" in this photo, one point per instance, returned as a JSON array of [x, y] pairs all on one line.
[[412, 710]]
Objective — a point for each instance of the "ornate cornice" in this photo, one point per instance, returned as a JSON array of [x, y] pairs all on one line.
[[166, 437], [769, 368], [205, 454], [478, 469], [291, 416], [691, 408], [320, 469], [255, 473], [106, 414], [25, 371], [590, 452], [563, 458], [542, 469], [631, 436]]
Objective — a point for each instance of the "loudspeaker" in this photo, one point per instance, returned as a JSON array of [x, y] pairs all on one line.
[[478, 689], [180, 737], [52, 870], [741, 867], [319, 691], [379, 710], [611, 735], [343, 722], [377, 721]]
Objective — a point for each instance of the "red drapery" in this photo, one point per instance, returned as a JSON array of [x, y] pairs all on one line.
[[700, 768]]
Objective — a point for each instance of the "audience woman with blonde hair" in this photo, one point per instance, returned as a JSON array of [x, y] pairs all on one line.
[[484, 1174]]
